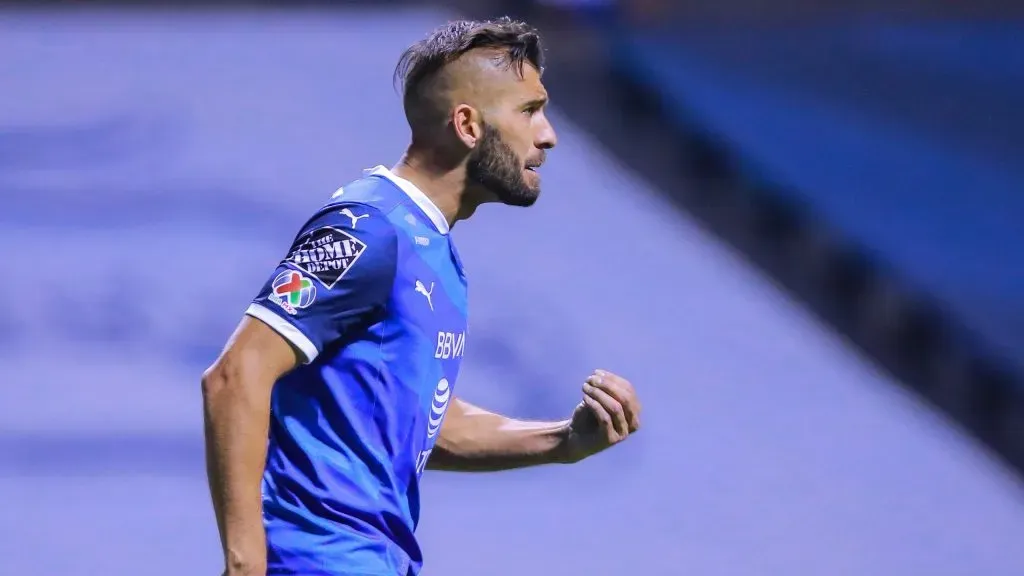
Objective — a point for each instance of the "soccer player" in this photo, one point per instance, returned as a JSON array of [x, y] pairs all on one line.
[[337, 389]]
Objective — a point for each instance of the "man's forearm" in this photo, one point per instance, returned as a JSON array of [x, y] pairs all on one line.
[[236, 422], [475, 440]]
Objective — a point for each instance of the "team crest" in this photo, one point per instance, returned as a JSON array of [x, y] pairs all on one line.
[[292, 291], [326, 254]]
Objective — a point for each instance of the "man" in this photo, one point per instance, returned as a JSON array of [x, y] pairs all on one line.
[[347, 359]]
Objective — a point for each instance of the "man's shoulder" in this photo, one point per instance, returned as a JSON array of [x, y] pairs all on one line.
[[353, 229], [364, 206], [371, 190]]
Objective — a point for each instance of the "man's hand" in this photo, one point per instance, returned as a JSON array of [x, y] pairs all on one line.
[[609, 413]]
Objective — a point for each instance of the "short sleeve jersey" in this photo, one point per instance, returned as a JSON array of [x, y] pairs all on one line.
[[373, 295]]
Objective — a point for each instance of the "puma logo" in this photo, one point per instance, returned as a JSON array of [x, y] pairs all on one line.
[[347, 212], [426, 293]]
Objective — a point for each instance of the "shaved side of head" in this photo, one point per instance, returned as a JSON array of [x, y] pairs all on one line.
[[463, 61]]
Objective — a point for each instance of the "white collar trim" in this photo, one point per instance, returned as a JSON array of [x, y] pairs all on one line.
[[416, 195]]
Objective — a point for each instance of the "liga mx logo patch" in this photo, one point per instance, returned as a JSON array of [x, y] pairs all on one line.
[[292, 291], [326, 254]]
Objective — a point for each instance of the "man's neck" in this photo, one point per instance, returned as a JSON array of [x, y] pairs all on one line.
[[445, 188]]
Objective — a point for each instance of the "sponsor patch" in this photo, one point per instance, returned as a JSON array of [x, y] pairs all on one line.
[[292, 291], [326, 254]]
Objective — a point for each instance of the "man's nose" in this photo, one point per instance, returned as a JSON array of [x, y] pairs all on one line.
[[546, 137]]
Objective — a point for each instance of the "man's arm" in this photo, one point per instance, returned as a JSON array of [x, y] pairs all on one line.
[[475, 440], [236, 410]]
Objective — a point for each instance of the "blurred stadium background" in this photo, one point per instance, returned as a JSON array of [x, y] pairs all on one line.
[[798, 226]]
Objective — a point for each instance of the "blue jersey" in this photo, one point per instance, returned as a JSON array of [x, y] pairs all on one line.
[[373, 295]]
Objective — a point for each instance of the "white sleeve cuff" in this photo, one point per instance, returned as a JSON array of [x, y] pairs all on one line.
[[285, 329]]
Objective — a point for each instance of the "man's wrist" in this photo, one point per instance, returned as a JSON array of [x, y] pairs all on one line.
[[246, 554], [562, 452], [251, 565]]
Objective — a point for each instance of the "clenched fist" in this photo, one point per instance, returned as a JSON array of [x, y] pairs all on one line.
[[608, 414]]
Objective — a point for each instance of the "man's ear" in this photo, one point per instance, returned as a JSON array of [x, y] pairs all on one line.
[[468, 125]]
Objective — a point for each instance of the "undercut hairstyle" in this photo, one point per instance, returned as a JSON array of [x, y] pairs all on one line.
[[420, 70]]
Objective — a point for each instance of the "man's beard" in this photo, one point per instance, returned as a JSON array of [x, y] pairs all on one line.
[[495, 166]]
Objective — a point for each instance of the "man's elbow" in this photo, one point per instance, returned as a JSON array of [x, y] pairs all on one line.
[[454, 438], [211, 381], [223, 377]]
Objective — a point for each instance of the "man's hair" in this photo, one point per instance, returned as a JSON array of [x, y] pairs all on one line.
[[419, 70]]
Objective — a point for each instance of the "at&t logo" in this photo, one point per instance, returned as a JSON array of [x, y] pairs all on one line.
[[438, 406]]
